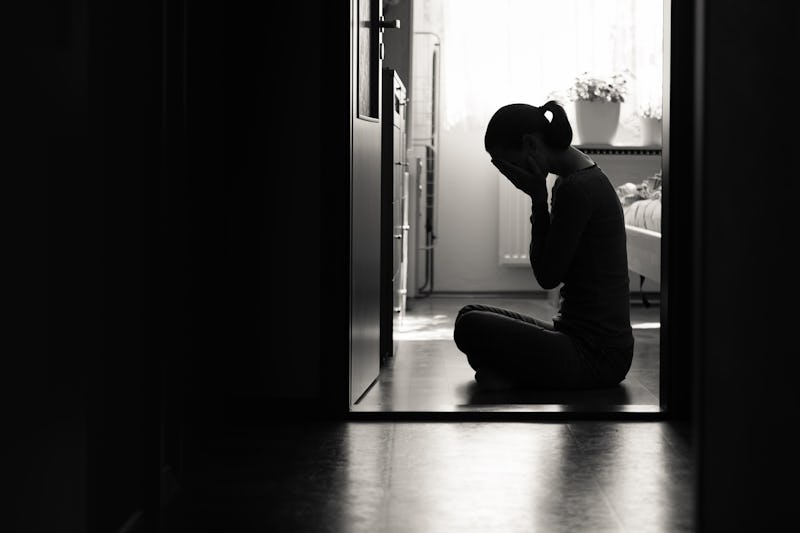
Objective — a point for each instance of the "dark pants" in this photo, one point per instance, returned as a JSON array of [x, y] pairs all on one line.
[[531, 353]]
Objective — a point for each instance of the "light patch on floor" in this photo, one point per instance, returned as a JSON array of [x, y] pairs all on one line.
[[425, 328], [427, 335]]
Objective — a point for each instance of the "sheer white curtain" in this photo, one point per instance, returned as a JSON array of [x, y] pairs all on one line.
[[496, 52]]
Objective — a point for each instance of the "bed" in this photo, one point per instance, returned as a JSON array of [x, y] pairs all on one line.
[[641, 204]]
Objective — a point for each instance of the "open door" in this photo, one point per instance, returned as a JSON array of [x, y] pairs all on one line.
[[365, 223]]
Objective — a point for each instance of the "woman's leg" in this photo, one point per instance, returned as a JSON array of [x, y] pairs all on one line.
[[505, 312], [521, 348]]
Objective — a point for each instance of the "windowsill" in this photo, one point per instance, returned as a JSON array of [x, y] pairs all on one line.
[[622, 149]]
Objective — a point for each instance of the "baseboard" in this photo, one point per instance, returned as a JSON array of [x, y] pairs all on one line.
[[653, 299]]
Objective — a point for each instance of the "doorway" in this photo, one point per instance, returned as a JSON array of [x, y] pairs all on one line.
[[427, 372]]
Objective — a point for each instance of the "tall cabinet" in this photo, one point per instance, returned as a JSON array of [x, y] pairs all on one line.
[[394, 210]]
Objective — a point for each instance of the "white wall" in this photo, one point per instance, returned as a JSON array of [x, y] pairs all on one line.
[[466, 249]]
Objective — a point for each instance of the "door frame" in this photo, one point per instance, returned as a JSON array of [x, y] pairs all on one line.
[[678, 263]]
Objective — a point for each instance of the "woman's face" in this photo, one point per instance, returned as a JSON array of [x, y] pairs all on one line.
[[515, 157], [531, 146]]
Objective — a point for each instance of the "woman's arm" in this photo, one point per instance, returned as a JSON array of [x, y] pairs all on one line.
[[555, 235]]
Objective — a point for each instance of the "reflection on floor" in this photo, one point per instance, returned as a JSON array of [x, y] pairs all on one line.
[[429, 373], [446, 477]]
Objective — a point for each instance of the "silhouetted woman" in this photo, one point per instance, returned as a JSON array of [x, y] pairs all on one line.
[[579, 242]]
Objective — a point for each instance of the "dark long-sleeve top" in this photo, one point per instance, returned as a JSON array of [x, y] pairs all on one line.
[[581, 243]]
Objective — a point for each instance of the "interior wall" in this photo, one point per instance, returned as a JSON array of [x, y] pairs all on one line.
[[256, 148], [133, 252], [466, 253], [746, 339], [52, 257], [87, 119]]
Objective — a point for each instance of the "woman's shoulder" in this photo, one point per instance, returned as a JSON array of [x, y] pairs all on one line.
[[588, 167], [588, 176], [590, 184], [581, 177]]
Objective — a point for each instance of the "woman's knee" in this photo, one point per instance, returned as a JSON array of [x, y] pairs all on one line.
[[466, 309], [465, 329], [467, 335]]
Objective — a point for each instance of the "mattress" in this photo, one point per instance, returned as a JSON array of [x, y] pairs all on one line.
[[641, 203], [644, 214]]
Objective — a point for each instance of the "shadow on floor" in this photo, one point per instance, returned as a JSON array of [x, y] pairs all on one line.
[[610, 396]]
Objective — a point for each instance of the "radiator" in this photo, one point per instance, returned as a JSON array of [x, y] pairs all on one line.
[[514, 224]]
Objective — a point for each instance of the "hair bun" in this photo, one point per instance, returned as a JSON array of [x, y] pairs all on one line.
[[559, 132]]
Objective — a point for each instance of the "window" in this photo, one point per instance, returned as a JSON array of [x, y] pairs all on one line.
[[501, 51]]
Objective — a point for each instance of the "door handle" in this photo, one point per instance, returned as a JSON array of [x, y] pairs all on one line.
[[389, 24]]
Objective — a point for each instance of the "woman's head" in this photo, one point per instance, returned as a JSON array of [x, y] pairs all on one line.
[[518, 130]]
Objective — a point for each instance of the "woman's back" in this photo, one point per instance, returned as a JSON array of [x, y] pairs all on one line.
[[595, 295]]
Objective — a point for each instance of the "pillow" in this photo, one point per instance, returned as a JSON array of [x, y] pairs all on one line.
[[627, 194]]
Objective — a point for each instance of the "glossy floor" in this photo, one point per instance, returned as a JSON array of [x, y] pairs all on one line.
[[429, 373], [431, 477]]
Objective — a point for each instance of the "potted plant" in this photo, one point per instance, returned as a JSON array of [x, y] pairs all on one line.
[[597, 106], [650, 119]]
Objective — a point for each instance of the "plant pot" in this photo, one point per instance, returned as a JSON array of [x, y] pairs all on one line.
[[596, 121], [651, 131]]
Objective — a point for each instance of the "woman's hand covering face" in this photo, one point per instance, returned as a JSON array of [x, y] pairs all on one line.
[[532, 180]]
